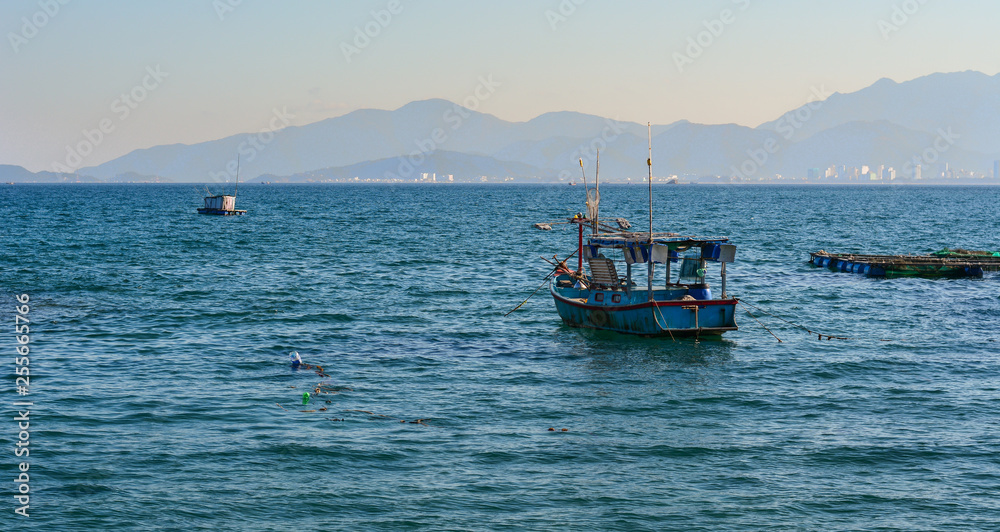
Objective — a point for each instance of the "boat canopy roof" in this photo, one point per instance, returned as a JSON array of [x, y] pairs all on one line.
[[631, 239]]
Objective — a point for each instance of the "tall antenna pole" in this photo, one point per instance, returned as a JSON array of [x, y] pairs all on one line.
[[586, 189], [597, 187], [649, 163], [649, 262]]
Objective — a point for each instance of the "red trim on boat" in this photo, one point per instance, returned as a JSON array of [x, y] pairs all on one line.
[[674, 303]]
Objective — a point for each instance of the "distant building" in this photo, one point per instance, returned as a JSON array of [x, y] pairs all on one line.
[[916, 173], [892, 173], [813, 173]]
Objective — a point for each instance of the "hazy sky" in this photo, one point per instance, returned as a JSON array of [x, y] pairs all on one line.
[[187, 71]]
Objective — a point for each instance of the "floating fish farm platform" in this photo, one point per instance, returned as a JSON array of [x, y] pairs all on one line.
[[947, 263]]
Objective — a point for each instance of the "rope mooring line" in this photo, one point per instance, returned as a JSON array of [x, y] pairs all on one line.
[[819, 335], [758, 321], [544, 280], [662, 328]]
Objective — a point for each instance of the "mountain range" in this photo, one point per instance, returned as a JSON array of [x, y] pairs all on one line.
[[936, 119]]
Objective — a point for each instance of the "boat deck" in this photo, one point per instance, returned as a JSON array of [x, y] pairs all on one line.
[[220, 212]]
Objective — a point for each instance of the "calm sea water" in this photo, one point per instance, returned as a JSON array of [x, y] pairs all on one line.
[[164, 400]]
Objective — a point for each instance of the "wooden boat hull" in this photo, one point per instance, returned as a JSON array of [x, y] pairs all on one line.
[[706, 317], [220, 212]]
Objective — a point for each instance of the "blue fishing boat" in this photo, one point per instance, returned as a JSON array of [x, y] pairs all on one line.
[[673, 306], [678, 302]]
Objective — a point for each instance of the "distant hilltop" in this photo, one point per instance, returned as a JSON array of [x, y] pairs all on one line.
[[938, 127]]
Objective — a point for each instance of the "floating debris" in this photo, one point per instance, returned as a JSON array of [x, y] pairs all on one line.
[[370, 413], [543, 227]]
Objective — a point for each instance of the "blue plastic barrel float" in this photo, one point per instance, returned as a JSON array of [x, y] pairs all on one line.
[[700, 291], [876, 271], [845, 265], [974, 271]]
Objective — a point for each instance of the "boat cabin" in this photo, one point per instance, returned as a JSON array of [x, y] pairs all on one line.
[[684, 261], [221, 205]]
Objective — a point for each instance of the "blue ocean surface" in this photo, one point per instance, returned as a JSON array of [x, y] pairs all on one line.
[[164, 400]]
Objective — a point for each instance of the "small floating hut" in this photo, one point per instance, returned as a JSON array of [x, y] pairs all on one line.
[[223, 205]]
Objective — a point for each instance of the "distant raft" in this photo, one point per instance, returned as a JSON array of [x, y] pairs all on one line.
[[947, 263]]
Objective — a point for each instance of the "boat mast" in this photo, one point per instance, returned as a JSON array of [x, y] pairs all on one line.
[[579, 224], [237, 177], [586, 190], [597, 188], [649, 163]]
